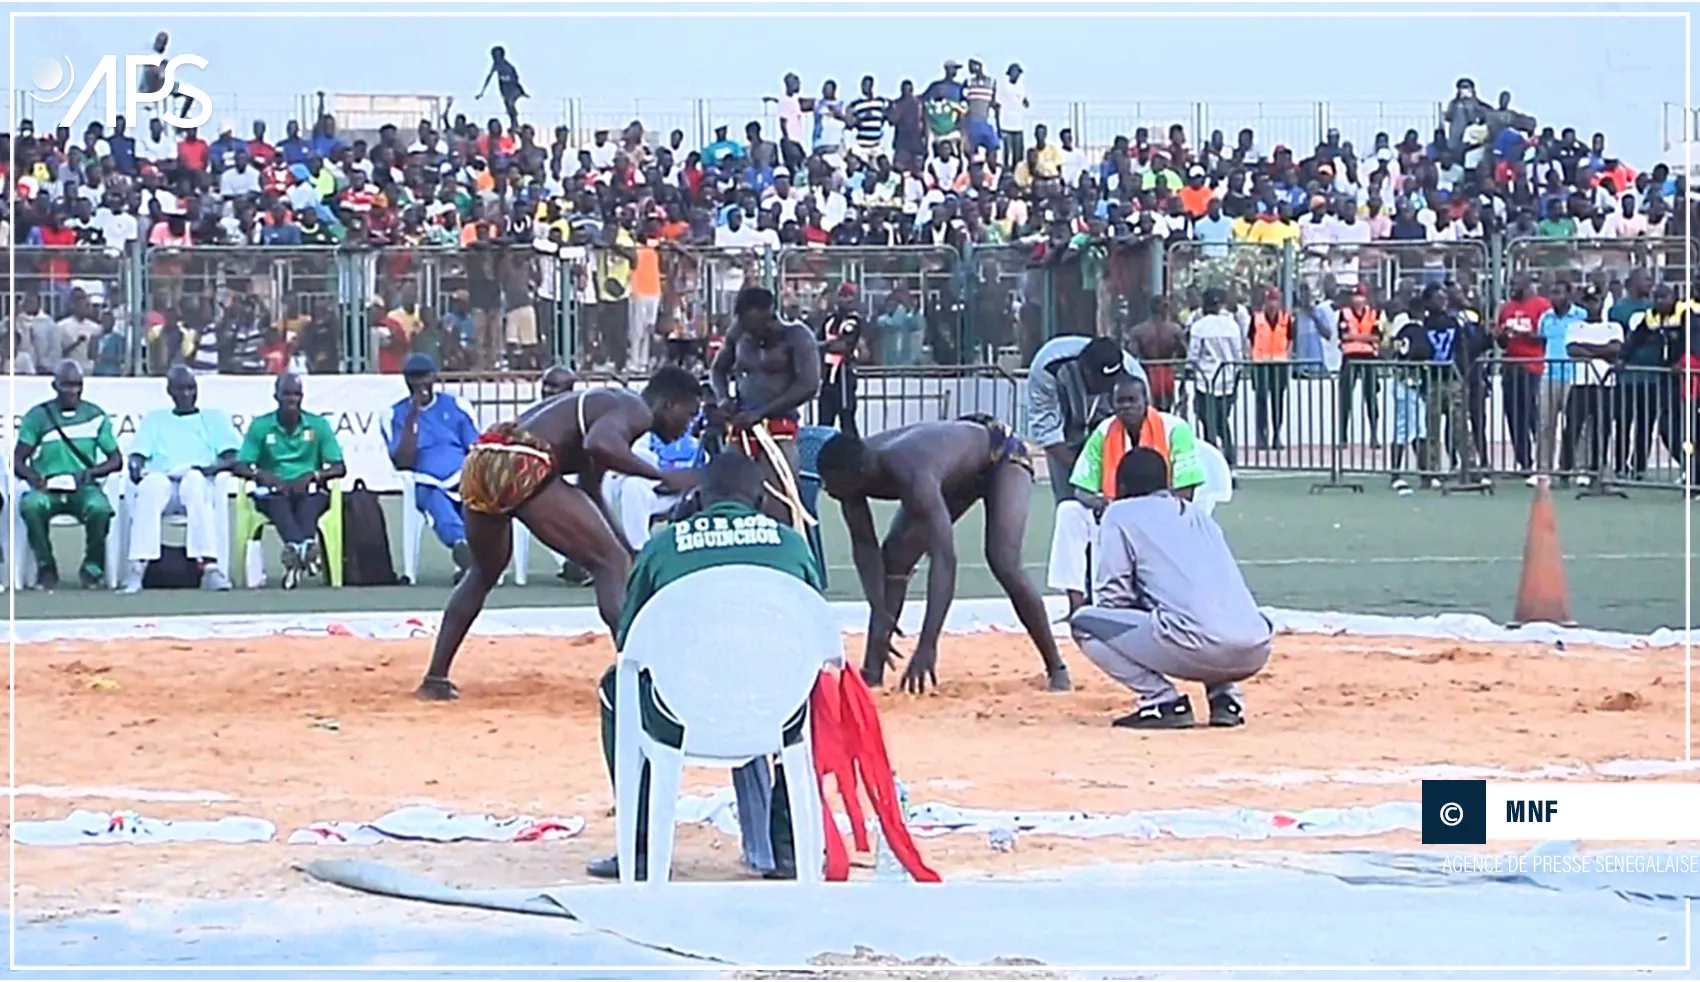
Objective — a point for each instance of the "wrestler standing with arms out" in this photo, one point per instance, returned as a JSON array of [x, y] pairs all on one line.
[[515, 471], [776, 367], [937, 471]]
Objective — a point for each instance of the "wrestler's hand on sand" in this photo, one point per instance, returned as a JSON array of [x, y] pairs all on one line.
[[678, 482], [923, 669]]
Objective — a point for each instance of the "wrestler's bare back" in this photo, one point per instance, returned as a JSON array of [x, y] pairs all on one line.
[[953, 456], [556, 422]]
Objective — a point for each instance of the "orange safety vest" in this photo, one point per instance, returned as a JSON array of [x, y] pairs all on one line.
[[1358, 334], [1271, 342]]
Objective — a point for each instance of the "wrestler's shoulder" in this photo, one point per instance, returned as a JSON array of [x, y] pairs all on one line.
[[798, 329]]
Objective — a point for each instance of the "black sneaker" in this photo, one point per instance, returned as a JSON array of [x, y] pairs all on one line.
[[782, 870], [1226, 711], [1176, 714], [575, 575], [47, 577], [608, 867]]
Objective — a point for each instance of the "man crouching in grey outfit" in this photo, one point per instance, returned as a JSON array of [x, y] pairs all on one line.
[[1169, 603]]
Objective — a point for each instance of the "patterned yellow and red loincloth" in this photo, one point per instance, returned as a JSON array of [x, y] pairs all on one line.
[[1005, 447], [506, 468], [761, 442]]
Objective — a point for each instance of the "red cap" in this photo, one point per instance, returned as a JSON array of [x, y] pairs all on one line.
[[849, 291], [1360, 291]]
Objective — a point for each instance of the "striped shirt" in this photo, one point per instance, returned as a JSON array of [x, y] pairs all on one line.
[[979, 93], [869, 115]]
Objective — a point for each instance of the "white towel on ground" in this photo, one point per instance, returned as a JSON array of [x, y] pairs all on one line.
[[82, 828], [427, 824]]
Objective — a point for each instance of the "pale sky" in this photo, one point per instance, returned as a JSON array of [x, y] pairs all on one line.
[[1609, 73]]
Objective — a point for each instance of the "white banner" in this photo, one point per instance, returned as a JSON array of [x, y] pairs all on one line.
[[356, 406]]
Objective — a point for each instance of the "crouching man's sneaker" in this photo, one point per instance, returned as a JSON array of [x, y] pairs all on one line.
[[1176, 714], [1226, 711]]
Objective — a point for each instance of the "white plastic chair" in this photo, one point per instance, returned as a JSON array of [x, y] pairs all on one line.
[[1218, 486], [414, 520], [733, 653], [224, 486], [22, 557]]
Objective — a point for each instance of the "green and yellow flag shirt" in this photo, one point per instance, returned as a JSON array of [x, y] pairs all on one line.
[[1185, 469], [85, 430], [728, 533], [290, 454]]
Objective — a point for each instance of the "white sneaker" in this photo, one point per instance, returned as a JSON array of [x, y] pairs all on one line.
[[1583, 480], [133, 577], [1533, 480], [214, 580]]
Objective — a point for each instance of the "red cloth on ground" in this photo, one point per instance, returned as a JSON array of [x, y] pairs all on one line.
[[848, 744]]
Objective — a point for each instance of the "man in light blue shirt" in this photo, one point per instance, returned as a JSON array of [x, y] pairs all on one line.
[[1554, 325], [175, 461], [428, 434], [1213, 229]]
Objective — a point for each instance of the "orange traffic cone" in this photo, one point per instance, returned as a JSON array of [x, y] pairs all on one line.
[[1541, 593]]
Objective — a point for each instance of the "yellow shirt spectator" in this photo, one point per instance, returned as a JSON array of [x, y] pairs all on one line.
[[1050, 162]]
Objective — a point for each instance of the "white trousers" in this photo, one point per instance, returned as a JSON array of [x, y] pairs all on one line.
[[1072, 535], [194, 494], [633, 501]]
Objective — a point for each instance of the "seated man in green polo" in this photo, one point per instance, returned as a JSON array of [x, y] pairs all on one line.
[[292, 456], [65, 447], [731, 491], [1136, 423]]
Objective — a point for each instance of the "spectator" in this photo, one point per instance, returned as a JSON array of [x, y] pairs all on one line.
[[37, 336], [176, 457], [78, 331], [1557, 224], [1596, 344], [944, 106], [428, 434], [979, 94], [222, 153], [240, 180], [1362, 338], [122, 147], [1560, 374], [507, 84], [830, 120], [259, 151], [293, 149], [1012, 105], [1073, 161], [869, 113], [1517, 331], [160, 144], [1160, 345], [292, 456], [1271, 354], [65, 448], [193, 153], [1216, 346]]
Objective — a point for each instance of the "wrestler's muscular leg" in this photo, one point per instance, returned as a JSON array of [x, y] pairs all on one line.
[[563, 518], [1009, 490], [490, 539]]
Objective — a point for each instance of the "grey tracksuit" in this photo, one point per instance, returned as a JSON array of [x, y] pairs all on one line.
[[1170, 601]]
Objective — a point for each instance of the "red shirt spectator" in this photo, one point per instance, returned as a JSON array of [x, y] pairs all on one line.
[[1519, 324], [193, 151], [261, 152]]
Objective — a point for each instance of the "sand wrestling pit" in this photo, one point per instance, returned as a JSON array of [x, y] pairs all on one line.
[[299, 731]]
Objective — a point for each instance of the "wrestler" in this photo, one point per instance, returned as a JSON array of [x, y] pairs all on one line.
[[765, 371], [514, 471], [936, 470]]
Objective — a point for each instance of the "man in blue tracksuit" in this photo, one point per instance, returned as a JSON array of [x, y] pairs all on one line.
[[429, 434]]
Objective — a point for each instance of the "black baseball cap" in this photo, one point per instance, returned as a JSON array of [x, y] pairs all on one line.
[[1101, 356]]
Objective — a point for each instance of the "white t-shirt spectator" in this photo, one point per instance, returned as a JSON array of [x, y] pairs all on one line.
[[786, 207], [1607, 229], [233, 183], [831, 205], [302, 194], [1319, 233], [1594, 371], [120, 227], [73, 329], [747, 236], [602, 157], [1632, 227], [1215, 343], [1012, 106], [1073, 163], [164, 148], [791, 120], [440, 147]]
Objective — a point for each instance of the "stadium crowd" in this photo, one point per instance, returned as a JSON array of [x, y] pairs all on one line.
[[537, 222]]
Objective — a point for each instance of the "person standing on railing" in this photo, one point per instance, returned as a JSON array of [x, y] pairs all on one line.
[[1012, 105], [1517, 332], [1271, 355], [1361, 339], [1216, 348]]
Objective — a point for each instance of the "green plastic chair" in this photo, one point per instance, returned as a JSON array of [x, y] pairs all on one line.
[[250, 525]]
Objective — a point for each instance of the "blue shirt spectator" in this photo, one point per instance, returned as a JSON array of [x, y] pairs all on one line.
[[294, 149], [1554, 327], [440, 431], [222, 154], [280, 234], [123, 149]]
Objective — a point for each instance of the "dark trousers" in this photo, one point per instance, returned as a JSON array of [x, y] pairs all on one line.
[[662, 727], [1588, 406], [1520, 388], [295, 516], [1643, 406], [1269, 384], [1356, 373], [1215, 414], [1014, 149], [837, 405]]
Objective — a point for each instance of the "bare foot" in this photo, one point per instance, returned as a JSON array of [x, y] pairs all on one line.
[[437, 690], [1058, 681]]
